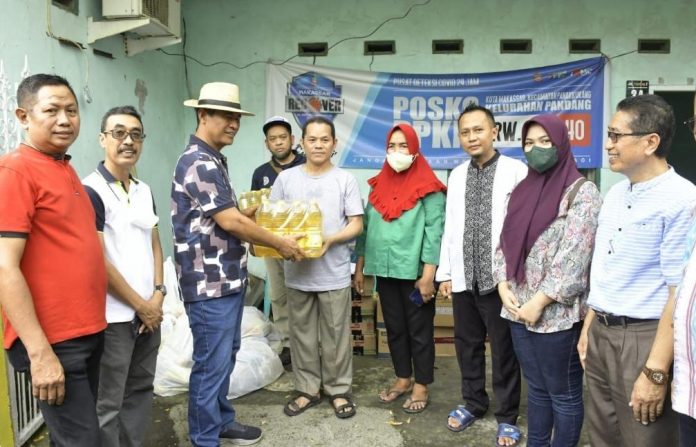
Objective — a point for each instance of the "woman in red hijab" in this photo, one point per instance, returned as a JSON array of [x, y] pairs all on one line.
[[542, 268], [400, 245]]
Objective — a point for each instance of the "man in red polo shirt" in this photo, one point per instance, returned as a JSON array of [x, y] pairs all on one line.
[[52, 270]]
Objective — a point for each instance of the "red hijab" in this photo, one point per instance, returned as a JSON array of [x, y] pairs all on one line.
[[395, 192], [534, 202]]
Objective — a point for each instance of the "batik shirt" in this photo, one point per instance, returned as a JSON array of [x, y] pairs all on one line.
[[210, 262], [477, 225], [559, 263]]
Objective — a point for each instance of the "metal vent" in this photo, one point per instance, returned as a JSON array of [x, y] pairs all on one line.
[[159, 9], [520, 46], [313, 49], [449, 46], [584, 46], [379, 47], [654, 46]]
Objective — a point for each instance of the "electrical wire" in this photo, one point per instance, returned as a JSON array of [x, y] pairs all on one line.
[[49, 32], [619, 55], [345, 39], [183, 46]]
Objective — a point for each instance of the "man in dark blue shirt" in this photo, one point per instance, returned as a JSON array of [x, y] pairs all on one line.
[[211, 263], [280, 142]]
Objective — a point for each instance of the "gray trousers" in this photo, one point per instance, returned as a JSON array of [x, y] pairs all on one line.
[[324, 316], [124, 401], [278, 294], [615, 358]]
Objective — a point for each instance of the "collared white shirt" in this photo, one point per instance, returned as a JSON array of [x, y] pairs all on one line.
[[126, 219], [639, 245]]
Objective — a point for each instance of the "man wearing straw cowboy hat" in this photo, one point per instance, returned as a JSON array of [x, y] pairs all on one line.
[[211, 262]]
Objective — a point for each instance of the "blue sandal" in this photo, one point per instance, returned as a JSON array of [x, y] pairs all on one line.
[[508, 431], [463, 416]]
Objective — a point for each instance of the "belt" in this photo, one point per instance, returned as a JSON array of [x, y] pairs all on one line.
[[617, 320]]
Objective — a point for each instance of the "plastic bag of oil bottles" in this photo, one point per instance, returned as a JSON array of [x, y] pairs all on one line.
[[288, 219]]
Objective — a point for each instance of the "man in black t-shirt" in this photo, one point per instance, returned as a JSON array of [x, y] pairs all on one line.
[[279, 141]]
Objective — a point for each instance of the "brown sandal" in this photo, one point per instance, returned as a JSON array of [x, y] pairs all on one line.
[[343, 411], [292, 408]]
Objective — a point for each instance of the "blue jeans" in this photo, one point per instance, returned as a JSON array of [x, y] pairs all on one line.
[[216, 329], [551, 366]]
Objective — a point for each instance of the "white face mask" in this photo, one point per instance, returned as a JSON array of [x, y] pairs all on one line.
[[399, 162]]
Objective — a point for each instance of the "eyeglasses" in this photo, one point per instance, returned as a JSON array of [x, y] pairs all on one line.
[[121, 134], [614, 136], [691, 124]]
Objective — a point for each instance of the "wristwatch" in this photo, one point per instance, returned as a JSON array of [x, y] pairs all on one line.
[[162, 288], [656, 376]]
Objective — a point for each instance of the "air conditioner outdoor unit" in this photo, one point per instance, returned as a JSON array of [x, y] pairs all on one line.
[[119, 9], [145, 24]]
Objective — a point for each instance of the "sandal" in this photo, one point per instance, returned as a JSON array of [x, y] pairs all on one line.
[[464, 417], [343, 411], [508, 431], [409, 402], [292, 408], [395, 392]]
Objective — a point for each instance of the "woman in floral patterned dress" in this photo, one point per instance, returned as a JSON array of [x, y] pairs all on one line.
[[543, 266]]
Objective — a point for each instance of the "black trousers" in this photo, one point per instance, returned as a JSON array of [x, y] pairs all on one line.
[[475, 316], [409, 330], [687, 431], [73, 424]]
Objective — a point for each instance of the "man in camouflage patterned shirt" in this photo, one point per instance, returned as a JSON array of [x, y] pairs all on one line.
[[211, 263]]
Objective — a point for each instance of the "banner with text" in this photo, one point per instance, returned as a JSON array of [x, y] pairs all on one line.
[[365, 105]]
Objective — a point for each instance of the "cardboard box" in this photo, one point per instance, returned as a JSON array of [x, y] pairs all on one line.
[[368, 285], [362, 306], [378, 309], [444, 342], [443, 312], [364, 325], [364, 344], [382, 345]]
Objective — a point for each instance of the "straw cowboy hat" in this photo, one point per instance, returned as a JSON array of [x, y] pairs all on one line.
[[218, 96]]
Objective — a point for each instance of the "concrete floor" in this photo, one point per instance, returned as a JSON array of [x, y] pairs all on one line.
[[375, 424]]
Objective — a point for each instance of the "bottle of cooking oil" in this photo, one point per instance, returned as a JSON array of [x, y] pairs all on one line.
[[312, 228], [243, 201], [296, 219], [281, 213], [264, 218], [254, 198]]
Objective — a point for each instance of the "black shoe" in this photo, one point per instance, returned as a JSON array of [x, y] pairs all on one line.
[[240, 434], [285, 357]]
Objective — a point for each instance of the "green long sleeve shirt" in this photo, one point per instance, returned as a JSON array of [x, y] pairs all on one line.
[[398, 249]]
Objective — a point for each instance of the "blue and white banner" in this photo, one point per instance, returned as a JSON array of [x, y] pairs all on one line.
[[365, 105]]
